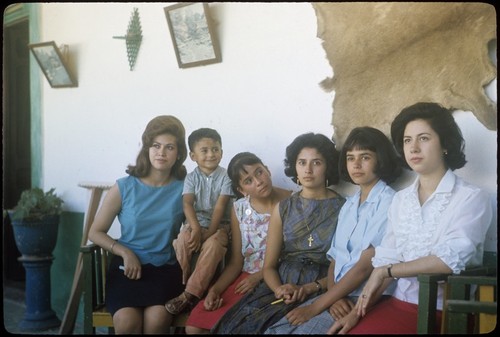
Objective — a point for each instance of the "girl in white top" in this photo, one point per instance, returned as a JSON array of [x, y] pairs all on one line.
[[252, 184], [436, 225]]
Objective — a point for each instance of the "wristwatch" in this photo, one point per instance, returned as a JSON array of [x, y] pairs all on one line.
[[389, 271]]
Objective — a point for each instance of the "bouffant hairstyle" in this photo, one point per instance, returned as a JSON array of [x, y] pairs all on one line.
[[441, 121], [388, 166], [158, 126], [323, 145]]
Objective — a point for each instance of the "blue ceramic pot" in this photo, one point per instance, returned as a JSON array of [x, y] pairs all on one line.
[[36, 237]]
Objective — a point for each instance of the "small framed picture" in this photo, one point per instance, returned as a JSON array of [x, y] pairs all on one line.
[[192, 33], [53, 64]]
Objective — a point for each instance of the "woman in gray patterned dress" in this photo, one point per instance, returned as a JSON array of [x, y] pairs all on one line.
[[300, 233]]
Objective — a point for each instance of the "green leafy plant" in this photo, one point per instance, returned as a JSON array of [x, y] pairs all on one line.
[[35, 205]]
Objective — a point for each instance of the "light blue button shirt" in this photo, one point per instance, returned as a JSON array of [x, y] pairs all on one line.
[[207, 190], [359, 227]]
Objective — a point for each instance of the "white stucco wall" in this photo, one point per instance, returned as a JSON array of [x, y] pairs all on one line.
[[263, 94]]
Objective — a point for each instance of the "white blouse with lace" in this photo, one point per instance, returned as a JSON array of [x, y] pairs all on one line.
[[451, 225]]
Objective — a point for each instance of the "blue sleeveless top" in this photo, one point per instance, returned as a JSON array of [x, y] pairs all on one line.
[[150, 219]]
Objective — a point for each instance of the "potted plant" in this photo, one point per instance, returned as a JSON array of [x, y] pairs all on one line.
[[35, 221]]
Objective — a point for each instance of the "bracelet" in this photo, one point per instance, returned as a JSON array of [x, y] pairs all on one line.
[[112, 245], [318, 285], [389, 271]]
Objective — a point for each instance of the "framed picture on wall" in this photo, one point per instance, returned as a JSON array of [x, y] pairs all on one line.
[[192, 33], [53, 64]]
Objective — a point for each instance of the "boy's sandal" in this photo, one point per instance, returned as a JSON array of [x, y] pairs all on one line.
[[180, 304]]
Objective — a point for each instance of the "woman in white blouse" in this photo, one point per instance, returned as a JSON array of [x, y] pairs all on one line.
[[436, 225]]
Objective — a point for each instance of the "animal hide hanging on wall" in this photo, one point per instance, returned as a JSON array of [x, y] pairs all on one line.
[[389, 55]]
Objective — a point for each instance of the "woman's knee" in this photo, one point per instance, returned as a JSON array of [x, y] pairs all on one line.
[[156, 320], [128, 320]]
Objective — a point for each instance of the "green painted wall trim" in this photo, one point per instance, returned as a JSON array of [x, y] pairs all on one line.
[[31, 12], [15, 12], [36, 100], [71, 223]]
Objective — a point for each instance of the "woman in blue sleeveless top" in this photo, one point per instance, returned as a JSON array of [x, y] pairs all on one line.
[[144, 273]]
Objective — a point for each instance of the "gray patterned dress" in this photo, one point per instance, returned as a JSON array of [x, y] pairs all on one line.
[[300, 263]]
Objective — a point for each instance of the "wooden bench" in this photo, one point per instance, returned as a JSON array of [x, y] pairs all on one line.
[[95, 261], [459, 304], [428, 285]]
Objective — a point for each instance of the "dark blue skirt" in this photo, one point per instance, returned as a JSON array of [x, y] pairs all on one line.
[[156, 286]]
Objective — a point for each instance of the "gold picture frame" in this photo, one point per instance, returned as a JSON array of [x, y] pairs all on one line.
[[192, 33], [53, 64]]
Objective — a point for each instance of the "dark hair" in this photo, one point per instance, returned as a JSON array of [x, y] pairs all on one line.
[[196, 135], [320, 142], [441, 121], [237, 165], [367, 138], [158, 126]]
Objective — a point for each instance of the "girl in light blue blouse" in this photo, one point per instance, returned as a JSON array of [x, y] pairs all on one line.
[[369, 160], [438, 224]]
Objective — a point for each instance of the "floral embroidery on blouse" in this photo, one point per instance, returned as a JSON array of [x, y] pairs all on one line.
[[415, 235], [253, 228]]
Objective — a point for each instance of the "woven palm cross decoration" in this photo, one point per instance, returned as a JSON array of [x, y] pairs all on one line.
[[133, 38]]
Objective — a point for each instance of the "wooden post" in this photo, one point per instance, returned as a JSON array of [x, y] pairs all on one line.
[[68, 322]]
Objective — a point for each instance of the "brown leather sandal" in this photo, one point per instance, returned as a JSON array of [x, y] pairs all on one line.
[[181, 303]]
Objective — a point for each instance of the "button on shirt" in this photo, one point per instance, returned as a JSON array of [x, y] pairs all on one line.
[[451, 225], [207, 190], [359, 227]]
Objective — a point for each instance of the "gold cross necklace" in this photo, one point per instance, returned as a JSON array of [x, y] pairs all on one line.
[[310, 239]]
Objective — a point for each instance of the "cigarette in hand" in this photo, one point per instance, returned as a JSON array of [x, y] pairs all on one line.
[[277, 301]]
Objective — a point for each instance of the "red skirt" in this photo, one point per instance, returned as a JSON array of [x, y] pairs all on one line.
[[391, 316], [204, 319]]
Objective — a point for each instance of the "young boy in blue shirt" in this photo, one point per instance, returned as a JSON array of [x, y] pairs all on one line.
[[206, 197]]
